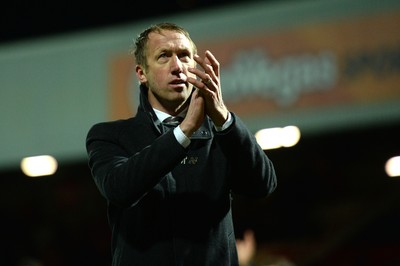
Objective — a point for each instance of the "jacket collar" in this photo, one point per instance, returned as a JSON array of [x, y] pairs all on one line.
[[147, 109]]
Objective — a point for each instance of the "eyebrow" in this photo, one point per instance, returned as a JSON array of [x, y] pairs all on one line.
[[178, 50]]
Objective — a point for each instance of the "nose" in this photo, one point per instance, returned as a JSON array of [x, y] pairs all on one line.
[[176, 65]]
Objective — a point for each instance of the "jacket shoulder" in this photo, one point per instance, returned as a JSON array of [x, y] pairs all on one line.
[[110, 127]]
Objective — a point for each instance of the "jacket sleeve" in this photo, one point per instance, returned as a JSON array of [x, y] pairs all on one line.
[[122, 178], [251, 171]]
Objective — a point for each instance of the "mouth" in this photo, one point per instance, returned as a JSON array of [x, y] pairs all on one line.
[[178, 82]]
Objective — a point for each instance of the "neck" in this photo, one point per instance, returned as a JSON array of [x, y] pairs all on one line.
[[169, 107]]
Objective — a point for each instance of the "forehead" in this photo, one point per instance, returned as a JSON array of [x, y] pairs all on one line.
[[167, 39]]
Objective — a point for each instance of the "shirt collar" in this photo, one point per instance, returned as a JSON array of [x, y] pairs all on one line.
[[162, 116]]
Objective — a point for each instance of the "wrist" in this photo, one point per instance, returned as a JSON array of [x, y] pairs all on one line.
[[186, 129], [220, 119]]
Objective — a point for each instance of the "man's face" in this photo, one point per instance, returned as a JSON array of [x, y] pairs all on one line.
[[169, 54]]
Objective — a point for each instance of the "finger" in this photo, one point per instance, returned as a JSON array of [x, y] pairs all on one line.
[[205, 78], [208, 82], [201, 85], [210, 66], [213, 62], [206, 67]]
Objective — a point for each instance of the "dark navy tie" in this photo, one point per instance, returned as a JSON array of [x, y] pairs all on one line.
[[172, 121]]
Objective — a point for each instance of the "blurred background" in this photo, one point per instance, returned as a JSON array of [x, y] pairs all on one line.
[[329, 69]]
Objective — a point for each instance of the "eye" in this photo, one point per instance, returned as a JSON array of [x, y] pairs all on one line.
[[162, 57], [185, 56]]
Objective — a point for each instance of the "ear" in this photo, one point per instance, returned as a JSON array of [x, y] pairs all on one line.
[[141, 74]]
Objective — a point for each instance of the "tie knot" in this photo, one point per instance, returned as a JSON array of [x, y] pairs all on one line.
[[172, 121]]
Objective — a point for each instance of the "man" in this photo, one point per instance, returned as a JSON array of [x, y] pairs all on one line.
[[169, 190]]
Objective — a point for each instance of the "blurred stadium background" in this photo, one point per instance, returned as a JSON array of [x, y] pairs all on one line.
[[331, 68]]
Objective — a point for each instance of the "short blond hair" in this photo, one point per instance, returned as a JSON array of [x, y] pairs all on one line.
[[142, 39]]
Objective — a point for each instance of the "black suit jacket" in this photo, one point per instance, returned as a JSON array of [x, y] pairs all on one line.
[[168, 205]]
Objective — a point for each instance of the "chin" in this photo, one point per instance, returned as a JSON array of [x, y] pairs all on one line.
[[182, 96]]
